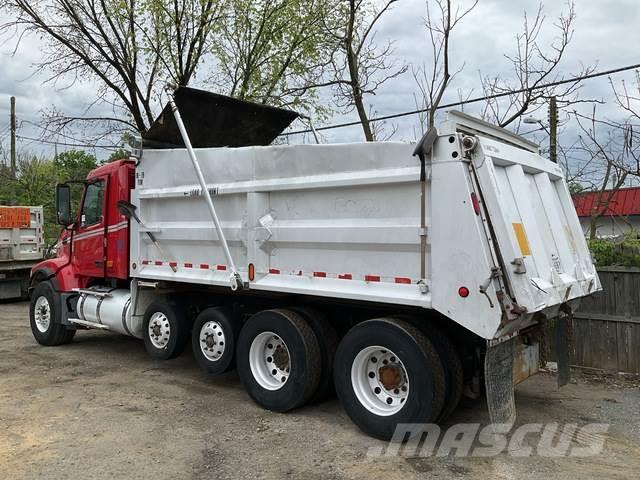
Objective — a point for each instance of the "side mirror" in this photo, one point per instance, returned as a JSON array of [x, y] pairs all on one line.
[[63, 204]]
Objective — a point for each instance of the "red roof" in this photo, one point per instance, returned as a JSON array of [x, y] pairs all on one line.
[[624, 202]]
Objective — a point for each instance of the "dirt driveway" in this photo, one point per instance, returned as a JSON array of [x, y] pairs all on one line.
[[101, 408]]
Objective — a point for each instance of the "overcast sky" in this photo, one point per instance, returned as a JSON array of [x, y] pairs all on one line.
[[606, 35]]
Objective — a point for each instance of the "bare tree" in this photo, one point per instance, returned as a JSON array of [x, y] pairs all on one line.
[[532, 67], [359, 65], [610, 157], [434, 80], [128, 47], [273, 51]]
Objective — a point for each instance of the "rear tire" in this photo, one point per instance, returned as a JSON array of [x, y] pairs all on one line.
[[453, 372], [213, 340], [165, 329], [328, 343], [454, 375], [386, 373], [44, 317], [278, 359]]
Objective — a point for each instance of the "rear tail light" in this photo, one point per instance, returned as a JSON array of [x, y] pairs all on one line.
[[463, 292]]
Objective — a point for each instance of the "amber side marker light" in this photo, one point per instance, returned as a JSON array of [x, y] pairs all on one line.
[[252, 272]]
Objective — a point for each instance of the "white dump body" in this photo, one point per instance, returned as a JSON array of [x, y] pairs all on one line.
[[343, 221], [21, 235]]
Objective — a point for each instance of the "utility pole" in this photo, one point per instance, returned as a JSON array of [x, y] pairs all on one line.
[[13, 136], [553, 129]]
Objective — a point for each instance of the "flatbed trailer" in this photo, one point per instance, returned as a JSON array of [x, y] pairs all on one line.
[[400, 274]]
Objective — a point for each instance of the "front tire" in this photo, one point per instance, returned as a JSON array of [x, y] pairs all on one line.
[[165, 329], [44, 317], [387, 373]]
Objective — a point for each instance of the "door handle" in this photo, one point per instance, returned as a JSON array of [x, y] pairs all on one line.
[[98, 263]]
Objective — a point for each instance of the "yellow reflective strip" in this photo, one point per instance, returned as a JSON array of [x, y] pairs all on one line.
[[521, 235]]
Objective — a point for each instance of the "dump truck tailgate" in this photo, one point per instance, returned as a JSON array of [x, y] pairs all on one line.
[[545, 258]]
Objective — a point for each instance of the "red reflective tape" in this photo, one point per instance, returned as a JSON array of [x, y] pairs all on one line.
[[188, 265], [403, 280], [320, 274], [372, 278], [221, 267], [204, 266], [274, 271], [158, 262], [345, 276], [146, 262], [173, 264]]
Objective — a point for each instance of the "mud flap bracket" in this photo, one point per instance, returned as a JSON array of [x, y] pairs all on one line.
[[498, 377], [562, 339]]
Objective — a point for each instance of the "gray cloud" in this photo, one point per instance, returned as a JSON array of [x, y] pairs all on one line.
[[605, 35]]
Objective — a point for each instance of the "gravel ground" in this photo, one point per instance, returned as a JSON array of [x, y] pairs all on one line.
[[101, 408]]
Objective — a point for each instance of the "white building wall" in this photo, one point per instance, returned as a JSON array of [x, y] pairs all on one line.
[[611, 226]]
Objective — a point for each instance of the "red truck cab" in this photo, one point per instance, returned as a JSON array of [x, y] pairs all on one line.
[[93, 247]]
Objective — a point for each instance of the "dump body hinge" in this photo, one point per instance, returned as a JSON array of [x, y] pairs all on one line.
[[496, 272]]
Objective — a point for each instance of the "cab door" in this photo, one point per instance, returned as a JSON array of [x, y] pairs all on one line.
[[89, 237]]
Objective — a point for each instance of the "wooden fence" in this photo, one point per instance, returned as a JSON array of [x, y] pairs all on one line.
[[606, 327]]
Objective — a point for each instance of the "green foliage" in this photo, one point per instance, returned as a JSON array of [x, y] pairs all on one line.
[[120, 154], [575, 187], [608, 252], [73, 165]]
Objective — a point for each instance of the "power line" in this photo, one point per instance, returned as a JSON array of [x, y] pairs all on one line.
[[51, 133], [474, 100], [63, 144]]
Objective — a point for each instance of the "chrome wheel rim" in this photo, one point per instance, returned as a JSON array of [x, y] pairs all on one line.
[[380, 380], [212, 341], [42, 314], [159, 330], [269, 361]]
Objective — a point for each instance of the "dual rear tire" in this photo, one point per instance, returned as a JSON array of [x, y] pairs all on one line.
[[284, 357], [388, 372], [279, 359]]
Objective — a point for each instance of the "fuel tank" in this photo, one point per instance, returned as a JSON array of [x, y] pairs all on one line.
[[109, 307]]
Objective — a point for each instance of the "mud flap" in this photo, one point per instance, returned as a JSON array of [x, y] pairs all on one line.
[[563, 324], [498, 378]]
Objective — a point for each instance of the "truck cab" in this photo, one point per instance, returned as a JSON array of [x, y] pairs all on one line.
[[93, 247]]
